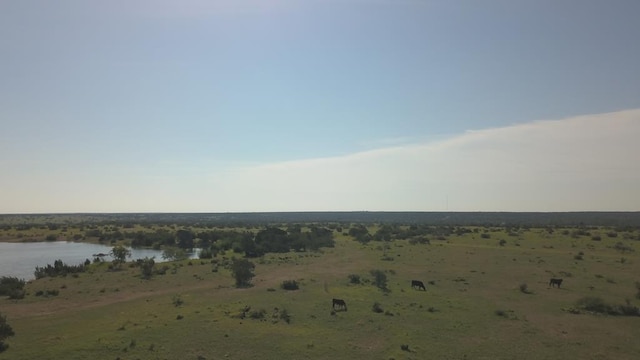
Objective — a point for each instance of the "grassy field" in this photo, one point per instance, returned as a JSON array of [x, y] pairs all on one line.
[[475, 305]]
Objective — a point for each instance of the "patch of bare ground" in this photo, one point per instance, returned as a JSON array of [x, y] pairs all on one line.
[[333, 263], [61, 305]]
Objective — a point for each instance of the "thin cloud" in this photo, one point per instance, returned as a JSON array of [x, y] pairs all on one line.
[[576, 164], [580, 163], [202, 8]]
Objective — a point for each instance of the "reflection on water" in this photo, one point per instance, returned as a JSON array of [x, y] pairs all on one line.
[[21, 259]]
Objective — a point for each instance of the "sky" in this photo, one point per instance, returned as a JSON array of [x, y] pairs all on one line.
[[319, 105]]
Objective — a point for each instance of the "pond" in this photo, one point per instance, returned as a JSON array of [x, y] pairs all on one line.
[[20, 259]]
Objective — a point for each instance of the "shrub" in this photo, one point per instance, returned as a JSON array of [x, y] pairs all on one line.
[[174, 254], [242, 271], [485, 236], [387, 257], [620, 246], [47, 293], [593, 304], [502, 242], [258, 314], [12, 287], [58, 269], [146, 267], [120, 255], [628, 309], [597, 305], [5, 332], [205, 254], [377, 308], [379, 279], [285, 316], [354, 278], [524, 288], [289, 285]]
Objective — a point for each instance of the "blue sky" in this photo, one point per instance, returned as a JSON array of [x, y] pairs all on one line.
[[196, 105]]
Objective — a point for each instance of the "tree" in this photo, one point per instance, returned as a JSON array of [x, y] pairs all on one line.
[[146, 267], [174, 254], [5, 332], [120, 254], [242, 270], [273, 239], [184, 239], [379, 279]]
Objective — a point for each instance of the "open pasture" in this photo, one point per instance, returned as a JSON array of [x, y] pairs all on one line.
[[487, 297]]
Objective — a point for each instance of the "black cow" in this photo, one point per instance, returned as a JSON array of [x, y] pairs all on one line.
[[556, 282], [417, 284], [340, 304]]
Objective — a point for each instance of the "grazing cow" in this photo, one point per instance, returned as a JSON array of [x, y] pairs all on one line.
[[417, 284], [556, 282], [340, 304]]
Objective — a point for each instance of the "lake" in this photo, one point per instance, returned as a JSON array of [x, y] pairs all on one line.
[[20, 259]]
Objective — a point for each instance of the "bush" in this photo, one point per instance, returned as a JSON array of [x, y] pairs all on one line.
[[620, 246], [174, 254], [58, 269], [285, 316], [258, 314], [12, 287], [524, 288], [120, 255], [5, 332], [597, 305], [354, 278], [379, 279], [289, 285], [242, 271], [47, 293], [377, 308], [206, 254], [628, 309], [146, 267]]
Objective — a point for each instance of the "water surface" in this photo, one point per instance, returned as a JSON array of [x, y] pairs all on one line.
[[21, 259]]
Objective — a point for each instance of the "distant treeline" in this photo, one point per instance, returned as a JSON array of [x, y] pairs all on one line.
[[543, 219]]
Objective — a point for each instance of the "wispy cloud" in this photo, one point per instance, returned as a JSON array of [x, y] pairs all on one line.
[[579, 163], [201, 8]]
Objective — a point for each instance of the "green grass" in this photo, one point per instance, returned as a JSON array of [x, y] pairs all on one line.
[[469, 280]]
